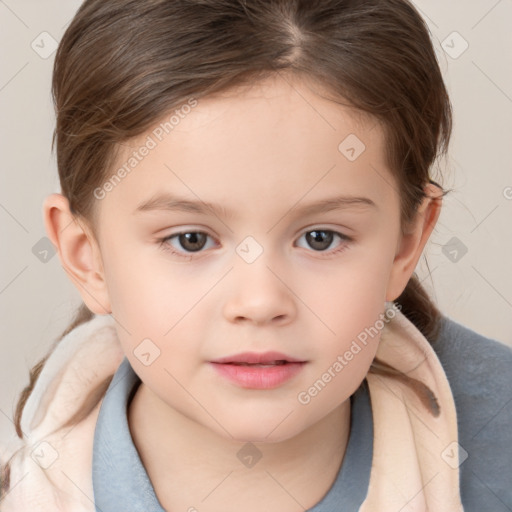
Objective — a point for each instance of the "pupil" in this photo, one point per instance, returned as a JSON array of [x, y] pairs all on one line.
[[320, 240]]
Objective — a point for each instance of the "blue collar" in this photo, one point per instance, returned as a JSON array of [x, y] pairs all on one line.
[[121, 483]]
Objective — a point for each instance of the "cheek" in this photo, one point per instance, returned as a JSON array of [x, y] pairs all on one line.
[[344, 359], [348, 300], [145, 292], [347, 295], [156, 312]]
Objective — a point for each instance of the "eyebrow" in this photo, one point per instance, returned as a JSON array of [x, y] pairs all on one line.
[[169, 202]]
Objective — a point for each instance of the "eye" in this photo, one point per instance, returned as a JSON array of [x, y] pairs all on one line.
[[321, 239], [188, 242]]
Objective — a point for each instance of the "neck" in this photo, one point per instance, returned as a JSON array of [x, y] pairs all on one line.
[[191, 467]]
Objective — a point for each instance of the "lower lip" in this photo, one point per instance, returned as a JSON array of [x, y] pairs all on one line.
[[258, 377]]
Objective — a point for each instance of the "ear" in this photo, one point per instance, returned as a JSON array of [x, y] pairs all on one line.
[[413, 241], [78, 251]]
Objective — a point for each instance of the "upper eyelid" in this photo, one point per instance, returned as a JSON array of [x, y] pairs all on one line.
[[311, 227], [302, 232]]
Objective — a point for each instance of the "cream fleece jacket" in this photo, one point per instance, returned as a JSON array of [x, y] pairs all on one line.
[[414, 466]]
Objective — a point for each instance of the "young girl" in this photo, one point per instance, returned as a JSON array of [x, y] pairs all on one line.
[[246, 193]]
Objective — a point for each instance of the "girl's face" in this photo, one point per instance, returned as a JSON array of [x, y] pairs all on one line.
[[293, 228]]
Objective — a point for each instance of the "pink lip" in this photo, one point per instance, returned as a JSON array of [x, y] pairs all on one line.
[[255, 358], [258, 377]]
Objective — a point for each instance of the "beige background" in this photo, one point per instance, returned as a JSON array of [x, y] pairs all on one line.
[[36, 298]]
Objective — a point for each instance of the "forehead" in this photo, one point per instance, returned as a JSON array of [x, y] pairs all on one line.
[[279, 139], [272, 101]]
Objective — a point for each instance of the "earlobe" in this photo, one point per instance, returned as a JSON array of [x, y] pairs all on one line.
[[78, 252], [413, 242]]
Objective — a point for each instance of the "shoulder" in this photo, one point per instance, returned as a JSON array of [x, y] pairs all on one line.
[[479, 370], [472, 362]]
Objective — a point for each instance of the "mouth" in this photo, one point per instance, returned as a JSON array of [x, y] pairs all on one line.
[[258, 371]]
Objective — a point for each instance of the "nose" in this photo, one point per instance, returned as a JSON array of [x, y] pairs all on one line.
[[258, 293]]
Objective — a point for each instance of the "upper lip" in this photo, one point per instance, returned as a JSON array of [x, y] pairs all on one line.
[[257, 358]]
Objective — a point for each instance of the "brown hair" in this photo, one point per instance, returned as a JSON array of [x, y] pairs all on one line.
[[122, 64]]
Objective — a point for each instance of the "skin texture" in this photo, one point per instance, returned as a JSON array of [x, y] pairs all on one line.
[[262, 152]]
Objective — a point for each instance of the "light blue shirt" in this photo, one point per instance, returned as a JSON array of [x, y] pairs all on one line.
[[121, 483], [480, 374]]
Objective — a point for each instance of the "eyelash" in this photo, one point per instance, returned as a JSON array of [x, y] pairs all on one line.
[[163, 243]]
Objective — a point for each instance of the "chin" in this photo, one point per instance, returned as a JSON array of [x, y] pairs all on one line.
[[257, 431]]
